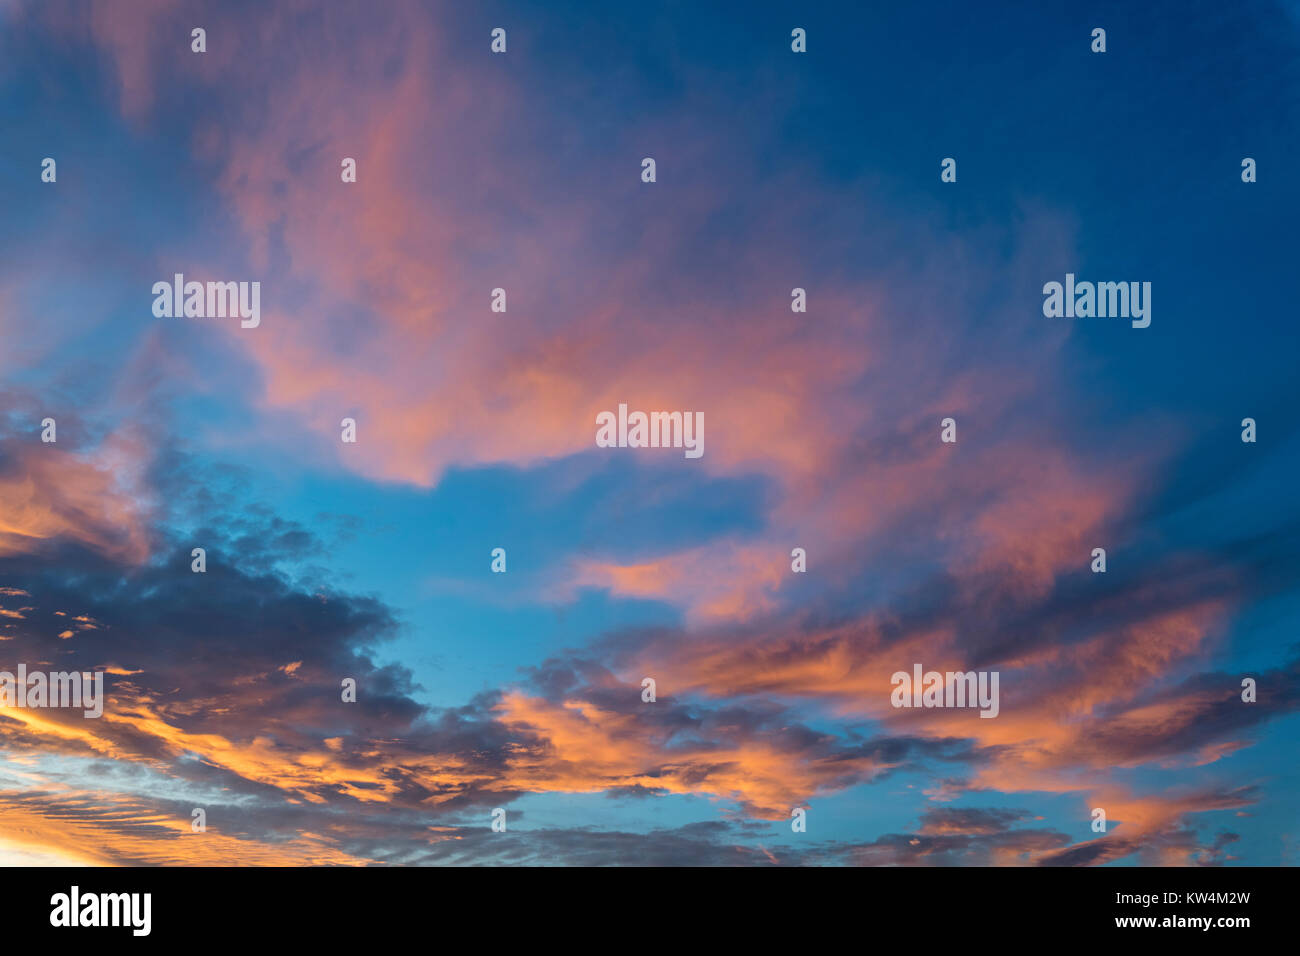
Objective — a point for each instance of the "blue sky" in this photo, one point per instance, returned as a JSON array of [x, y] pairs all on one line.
[[775, 170]]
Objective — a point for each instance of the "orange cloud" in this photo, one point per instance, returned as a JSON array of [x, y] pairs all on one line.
[[92, 498], [590, 749]]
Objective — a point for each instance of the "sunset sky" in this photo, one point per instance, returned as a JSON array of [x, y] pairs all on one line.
[[476, 430]]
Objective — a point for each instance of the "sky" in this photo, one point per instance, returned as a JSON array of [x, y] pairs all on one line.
[[371, 561]]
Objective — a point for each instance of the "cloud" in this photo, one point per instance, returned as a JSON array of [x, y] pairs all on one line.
[[93, 497], [773, 689]]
